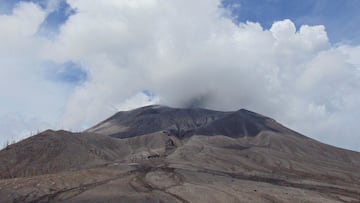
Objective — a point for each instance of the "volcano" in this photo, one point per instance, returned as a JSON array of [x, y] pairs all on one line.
[[162, 154]]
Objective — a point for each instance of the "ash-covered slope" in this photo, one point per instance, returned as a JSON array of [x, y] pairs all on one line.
[[156, 118], [57, 151], [158, 153], [186, 122]]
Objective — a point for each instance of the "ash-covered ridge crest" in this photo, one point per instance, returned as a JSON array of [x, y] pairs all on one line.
[[184, 122]]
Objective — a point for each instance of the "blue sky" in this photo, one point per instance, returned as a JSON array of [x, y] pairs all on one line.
[[57, 17], [340, 17], [68, 72], [54, 19]]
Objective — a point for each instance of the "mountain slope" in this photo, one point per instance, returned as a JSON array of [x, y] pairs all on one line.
[[158, 153], [153, 119]]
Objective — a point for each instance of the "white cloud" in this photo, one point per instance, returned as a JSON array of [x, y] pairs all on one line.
[[190, 54], [24, 21], [24, 88], [140, 99]]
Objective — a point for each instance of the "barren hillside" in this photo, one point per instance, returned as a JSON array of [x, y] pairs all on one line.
[[163, 154]]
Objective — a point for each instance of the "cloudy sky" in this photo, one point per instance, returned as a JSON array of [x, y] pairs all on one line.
[[72, 63]]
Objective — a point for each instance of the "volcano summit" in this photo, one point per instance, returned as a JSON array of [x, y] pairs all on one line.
[[162, 154]]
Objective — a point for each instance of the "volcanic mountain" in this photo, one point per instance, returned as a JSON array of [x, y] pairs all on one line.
[[162, 154]]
